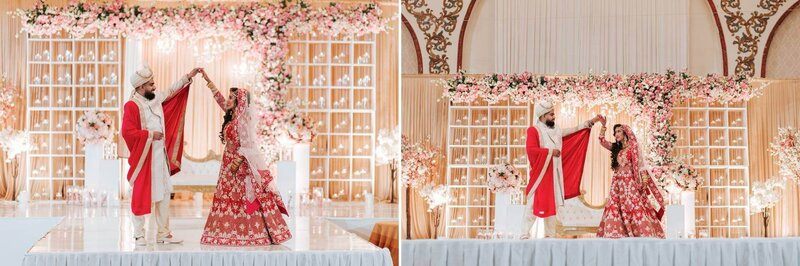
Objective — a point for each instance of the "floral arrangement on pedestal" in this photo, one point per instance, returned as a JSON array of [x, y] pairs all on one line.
[[299, 128], [389, 151], [765, 195], [437, 197], [419, 164], [677, 178], [260, 29], [786, 150], [94, 127], [504, 178], [647, 96]]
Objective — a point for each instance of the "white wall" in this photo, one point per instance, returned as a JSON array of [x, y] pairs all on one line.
[[480, 39], [705, 49], [409, 54], [783, 60]]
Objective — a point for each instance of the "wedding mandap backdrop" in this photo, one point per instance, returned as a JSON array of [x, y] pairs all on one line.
[[325, 74], [719, 125]]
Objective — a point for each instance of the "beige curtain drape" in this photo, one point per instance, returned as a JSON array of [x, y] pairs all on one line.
[[203, 118], [13, 65], [425, 114], [387, 76], [777, 107]]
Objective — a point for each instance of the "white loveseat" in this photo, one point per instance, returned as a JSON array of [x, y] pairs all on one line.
[[197, 176], [578, 217]]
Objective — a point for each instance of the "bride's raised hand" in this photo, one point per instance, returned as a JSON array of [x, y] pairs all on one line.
[[205, 75]]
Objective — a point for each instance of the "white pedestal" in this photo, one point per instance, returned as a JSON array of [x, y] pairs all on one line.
[[676, 222], [286, 182], [508, 218], [302, 158], [198, 199], [100, 174], [23, 199], [687, 200], [370, 202]]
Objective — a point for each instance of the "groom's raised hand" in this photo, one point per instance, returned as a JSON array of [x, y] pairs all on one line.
[[194, 72], [596, 119]]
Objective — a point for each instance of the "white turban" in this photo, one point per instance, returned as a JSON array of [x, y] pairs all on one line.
[[141, 76], [542, 108]]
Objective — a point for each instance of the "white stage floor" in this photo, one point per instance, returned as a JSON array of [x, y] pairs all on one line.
[[104, 236]]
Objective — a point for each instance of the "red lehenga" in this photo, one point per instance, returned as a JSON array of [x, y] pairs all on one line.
[[245, 211], [635, 205]]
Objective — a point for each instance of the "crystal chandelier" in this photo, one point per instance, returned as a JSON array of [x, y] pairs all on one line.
[[207, 50], [165, 45]]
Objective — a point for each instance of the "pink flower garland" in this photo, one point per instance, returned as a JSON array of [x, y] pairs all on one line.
[[647, 95], [785, 149], [262, 30], [419, 162]]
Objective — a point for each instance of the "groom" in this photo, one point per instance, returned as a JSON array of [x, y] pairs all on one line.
[[152, 126], [556, 157]]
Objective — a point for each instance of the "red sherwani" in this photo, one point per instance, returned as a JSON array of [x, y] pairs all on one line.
[[139, 141], [541, 182]]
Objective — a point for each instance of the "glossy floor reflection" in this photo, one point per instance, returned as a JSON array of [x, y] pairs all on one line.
[[109, 229]]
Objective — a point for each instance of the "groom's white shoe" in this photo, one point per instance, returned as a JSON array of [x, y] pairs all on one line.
[[168, 240], [141, 241]]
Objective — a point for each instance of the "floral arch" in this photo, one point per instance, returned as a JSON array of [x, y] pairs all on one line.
[[649, 97], [262, 30]]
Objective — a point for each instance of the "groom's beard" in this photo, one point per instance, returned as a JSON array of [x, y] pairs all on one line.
[[149, 95], [550, 124]]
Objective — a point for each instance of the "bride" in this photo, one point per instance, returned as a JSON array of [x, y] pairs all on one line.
[[247, 208], [635, 205]]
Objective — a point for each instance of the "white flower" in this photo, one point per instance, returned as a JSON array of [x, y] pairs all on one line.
[[766, 194], [418, 162], [787, 152], [504, 177], [435, 195], [94, 127], [389, 146], [14, 143], [673, 188]]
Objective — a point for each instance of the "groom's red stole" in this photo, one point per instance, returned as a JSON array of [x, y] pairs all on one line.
[[139, 141], [573, 156]]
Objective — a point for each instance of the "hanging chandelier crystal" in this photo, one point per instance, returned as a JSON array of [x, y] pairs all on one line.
[[207, 50], [165, 45]]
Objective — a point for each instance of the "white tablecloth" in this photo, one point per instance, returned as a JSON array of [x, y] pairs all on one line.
[[620, 252], [362, 227], [18, 234], [214, 258]]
